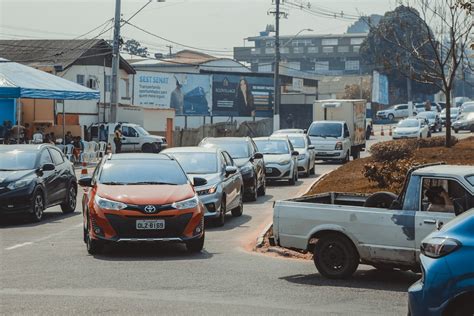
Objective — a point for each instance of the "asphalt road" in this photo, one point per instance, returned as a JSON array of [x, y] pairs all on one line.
[[45, 269]]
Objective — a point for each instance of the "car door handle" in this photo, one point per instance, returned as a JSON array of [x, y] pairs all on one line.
[[429, 221]]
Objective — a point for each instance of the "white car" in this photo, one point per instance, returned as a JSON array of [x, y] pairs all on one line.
[[453, 114], [396, 111], [411, 128], [307, 154]]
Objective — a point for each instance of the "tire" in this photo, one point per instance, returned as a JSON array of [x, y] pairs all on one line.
[[380, 200], [195, 245], [262, 190], [236, 212], [293, 180], [147, 148], [472, 128], [313, 171], [38, 206], [308, 172], [456, 131], [441, 128], [346, 159], [254, 195], [391, 117], [335, 257], [462, 306], [93, 246], [220, 221], [69, 206]]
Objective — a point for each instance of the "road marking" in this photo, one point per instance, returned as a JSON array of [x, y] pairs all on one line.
[[43, 238]]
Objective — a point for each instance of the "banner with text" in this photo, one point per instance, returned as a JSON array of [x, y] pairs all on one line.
[[236, 95], [188, 94]]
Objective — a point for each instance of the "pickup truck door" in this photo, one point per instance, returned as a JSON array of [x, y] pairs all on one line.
[[130, 139]]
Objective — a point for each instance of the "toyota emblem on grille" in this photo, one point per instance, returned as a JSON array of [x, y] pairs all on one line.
[[150, 209]]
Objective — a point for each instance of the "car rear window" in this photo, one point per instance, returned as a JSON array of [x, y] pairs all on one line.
[[142, 171]]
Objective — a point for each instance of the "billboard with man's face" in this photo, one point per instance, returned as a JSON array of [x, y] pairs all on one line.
[[188, 94], [235, 95]]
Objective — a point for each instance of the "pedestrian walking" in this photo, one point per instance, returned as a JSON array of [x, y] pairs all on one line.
[[118, 139]]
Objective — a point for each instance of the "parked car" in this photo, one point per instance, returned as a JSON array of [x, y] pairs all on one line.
[[411, 128], [467, 107], [224, 189], [434, 122], [246, 156], [134, 137], [306, 158], [453, 114], [464, 122], [34, 178], [141, 197], [289, 131], [281, 160], [396, 111], [380, 229], [447, 283], [458, 101]]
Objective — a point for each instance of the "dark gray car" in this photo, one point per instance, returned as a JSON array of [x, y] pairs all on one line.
[[224, 189]]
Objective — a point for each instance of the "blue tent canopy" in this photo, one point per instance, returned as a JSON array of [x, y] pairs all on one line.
[[20, 81]]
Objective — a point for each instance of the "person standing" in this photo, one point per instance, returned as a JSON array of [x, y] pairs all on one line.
[[244, 99], [177, 99], [118, 139]]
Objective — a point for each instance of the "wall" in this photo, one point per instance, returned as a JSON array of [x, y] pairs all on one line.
[[192, 136], [197, 121], [155, 119], [8, 110], [38, 110]]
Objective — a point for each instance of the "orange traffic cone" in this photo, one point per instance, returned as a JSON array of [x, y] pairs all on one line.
[[381, 132], [84, 170], [390, 131]]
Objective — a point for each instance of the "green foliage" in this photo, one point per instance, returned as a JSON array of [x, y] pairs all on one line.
[[386, 47], [134, 48]]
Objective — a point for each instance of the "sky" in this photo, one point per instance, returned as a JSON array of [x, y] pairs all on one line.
[[215, 25]]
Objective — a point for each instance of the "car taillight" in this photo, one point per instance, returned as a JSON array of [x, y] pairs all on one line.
[[437, 247]]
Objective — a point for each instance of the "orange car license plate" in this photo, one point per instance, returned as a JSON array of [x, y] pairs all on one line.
[[150, 224]]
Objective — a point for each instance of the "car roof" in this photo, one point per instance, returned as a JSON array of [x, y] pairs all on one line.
[[226, 139], [138, 156], [288, 135], [191, 149], [289, 131], [445, 170], [274, 137], [23, 147]]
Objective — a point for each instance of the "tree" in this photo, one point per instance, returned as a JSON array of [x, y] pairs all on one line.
[[353, 92], [381, 49], [133, 47], [435, 50]]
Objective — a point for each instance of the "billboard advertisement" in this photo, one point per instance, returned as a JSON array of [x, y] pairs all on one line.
[[188, 94], [235, 95], [380, 88]]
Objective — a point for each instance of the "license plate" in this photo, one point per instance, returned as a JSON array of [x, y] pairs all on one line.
[[322, 153], [268, 170], [150, 224]]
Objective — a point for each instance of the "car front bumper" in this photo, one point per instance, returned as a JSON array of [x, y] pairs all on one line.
[[330, 154], [278, 172], [17, 201], [212, 203], [403, 136]]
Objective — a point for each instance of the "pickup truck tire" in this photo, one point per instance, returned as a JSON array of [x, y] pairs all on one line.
[[380, 199], [335, 256], [147, 148]]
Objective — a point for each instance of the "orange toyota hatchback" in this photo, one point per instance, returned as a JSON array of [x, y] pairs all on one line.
[[141, 198]]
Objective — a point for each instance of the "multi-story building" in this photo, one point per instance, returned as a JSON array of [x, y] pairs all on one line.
[[331, 54]]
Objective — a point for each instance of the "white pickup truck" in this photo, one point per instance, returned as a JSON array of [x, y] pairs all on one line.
[[381, 229]]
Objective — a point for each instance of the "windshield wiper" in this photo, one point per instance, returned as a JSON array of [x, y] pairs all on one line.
[[152, 182]]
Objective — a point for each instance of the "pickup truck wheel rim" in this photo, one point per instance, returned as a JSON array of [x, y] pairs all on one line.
[[333, 257]]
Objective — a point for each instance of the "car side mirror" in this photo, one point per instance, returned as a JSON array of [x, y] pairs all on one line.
[[257, 156], [295, 153], [85, 182], [230, 170], [305, 131], [48, 167], [311, 147], [197, 182]]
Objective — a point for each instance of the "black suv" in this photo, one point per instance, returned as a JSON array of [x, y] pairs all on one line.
[[250, 162], [35, 177]]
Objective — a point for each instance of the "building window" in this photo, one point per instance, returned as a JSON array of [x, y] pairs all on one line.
[[285, 50], [293, 65], [255, 51], [269, 50], [343, 49], [356, 41], [355, 49], [264, 67], [321, 66], [301, 42], [313, 49], [328, 49], [80, 79], [107, 84], [352, 65], [92, 83], [126, 89], [329, 41], [298, 50], [269, 43]]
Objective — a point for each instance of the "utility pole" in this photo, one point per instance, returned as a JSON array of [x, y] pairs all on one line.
[[170, 48], [276, 79], [115, 64]]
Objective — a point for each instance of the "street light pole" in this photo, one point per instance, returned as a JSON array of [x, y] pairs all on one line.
[[115, 64], [276, 79]]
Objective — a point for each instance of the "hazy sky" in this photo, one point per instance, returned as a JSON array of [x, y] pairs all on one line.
[[210, 24]]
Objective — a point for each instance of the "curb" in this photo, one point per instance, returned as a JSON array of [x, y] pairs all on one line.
[[261, 236]]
